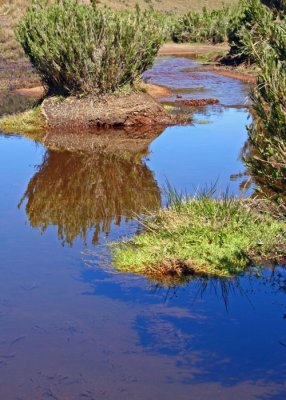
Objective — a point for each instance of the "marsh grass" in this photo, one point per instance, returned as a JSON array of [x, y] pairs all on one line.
[[203, 236], [29, 123]]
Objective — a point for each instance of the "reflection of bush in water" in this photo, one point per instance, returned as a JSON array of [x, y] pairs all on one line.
[[77, 192], [267, 183]]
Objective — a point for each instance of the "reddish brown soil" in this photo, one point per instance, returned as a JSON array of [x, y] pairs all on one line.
[[178, 49], [129, 110], [35, 92], [157, 92], [197, 102]]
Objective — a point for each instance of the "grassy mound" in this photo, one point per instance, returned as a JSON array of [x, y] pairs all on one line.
[[202, 235]]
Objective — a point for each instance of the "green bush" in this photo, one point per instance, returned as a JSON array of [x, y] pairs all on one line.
[[267, 158], [252, 13], [206, 26], [79, 48]]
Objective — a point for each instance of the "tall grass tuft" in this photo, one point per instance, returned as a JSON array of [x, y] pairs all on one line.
[[204, 236], [80, 48]]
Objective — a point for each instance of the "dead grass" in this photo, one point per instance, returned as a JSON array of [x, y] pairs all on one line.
[[179, 6]]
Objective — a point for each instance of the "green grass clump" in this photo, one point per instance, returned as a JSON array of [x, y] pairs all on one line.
[[80, 48], [211, 26], [202, 235], [29, 123]]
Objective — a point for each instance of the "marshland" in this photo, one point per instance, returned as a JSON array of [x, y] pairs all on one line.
[[143, 215]]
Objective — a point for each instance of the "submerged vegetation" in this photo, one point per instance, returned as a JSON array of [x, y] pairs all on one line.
[[81, 48], [202, 235]]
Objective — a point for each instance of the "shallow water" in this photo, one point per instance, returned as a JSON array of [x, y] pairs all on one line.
[[73, 328], [176, 73]]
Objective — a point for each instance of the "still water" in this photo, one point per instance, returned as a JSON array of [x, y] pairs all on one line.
[[72, 328]]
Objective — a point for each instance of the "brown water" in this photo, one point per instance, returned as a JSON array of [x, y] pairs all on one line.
[[72, 328]]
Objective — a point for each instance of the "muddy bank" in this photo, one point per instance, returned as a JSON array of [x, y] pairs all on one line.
[[242, 75], [136, 109], [36, 92], [197, 102], [191, 48]]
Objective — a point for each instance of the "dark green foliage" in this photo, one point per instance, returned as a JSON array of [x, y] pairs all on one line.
[[206, 26], [79, 48], [252, 13], [259, 37], [275, 4], [267, 45], [247, 18]]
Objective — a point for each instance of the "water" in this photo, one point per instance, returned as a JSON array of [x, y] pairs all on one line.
[[73, 328], [179, 73]]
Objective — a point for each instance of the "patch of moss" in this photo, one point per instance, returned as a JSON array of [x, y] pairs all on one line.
[[29, 123], [203, 236]]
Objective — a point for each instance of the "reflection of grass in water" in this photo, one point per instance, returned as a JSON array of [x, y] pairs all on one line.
[[78, 192], [201, 121], [271, 279], [187, 90], [199, 287], [202, 236]]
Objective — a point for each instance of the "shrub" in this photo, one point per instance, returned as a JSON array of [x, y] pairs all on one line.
[[79, 48], [251, 14], [265, 42], [206, 26]]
